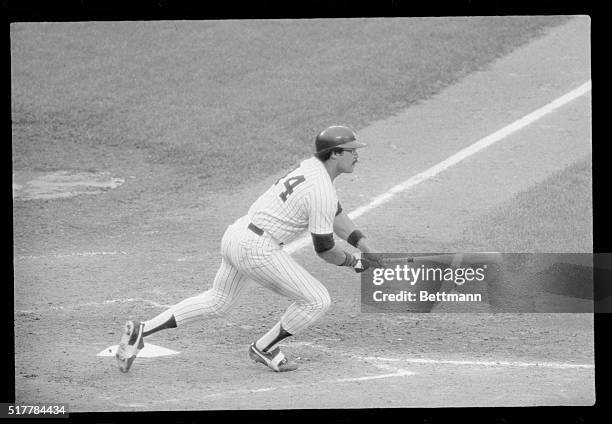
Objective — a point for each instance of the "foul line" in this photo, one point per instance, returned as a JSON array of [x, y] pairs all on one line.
[[416, 179], [457, 157], [377, 359], [558, 365]]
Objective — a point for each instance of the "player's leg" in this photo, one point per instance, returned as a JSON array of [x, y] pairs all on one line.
[[228, 286], [262, 260], [285, 276]]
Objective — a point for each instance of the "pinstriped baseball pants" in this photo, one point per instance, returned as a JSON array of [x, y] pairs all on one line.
[[248, 257]]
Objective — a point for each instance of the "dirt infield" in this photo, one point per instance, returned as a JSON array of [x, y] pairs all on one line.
[[73, 291]]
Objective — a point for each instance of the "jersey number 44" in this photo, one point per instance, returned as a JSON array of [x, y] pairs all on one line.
[[290, 184]]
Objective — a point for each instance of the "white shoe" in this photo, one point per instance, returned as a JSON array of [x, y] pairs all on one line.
[[131, 343], [275, 359]]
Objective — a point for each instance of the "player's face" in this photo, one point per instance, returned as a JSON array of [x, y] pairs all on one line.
[[347, 160]]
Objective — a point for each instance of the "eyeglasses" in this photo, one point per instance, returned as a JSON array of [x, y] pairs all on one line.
[[353, 151]]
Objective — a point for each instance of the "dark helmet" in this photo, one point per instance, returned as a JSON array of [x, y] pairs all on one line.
[[337, 136]]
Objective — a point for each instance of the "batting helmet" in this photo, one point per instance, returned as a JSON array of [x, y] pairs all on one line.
[[337, 136]]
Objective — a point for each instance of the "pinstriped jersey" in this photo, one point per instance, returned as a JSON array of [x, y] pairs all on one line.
[[303, 199]]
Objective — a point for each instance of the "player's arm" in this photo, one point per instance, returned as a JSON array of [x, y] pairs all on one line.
[[327, 250], [322, 226], [345, 228]]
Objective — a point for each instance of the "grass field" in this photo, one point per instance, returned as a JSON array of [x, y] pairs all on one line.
[[216, 103], [185, 109], [562, 207]]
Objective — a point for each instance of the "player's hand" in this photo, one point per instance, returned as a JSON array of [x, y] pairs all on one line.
[[362, 265], [374, 259], [370, 260]]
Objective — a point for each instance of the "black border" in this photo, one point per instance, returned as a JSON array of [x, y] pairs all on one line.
[[86, 10], [91, 10]]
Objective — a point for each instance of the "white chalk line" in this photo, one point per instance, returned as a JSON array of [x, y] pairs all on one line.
[[229, 393], [557, 365], [395, 373], [457, 157], [398, 373], [392, 372], [68, 255], [495, 363], [378, 362], [98, 304], [434, 170]]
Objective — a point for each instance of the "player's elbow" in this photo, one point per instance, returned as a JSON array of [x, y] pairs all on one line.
[[325, 255], [323, 243]]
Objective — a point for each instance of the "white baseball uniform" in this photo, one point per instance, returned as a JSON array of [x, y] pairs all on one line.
[[305, 199]]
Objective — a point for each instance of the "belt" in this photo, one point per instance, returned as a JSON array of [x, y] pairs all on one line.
[[258, 231], [255, 229]]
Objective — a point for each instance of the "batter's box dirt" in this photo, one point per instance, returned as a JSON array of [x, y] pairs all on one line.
[[215, 374]]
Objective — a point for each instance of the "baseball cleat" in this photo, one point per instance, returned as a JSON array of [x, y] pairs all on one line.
[[131, 343], [275, 359]]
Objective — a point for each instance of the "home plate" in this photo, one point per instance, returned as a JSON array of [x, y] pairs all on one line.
[[149, 351]]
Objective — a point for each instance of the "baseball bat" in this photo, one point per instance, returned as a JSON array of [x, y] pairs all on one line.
[[452, 259]]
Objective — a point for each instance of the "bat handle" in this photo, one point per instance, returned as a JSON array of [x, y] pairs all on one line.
[[396, 260]]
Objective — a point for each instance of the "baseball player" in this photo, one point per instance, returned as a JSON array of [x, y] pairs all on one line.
[[252, 250]]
